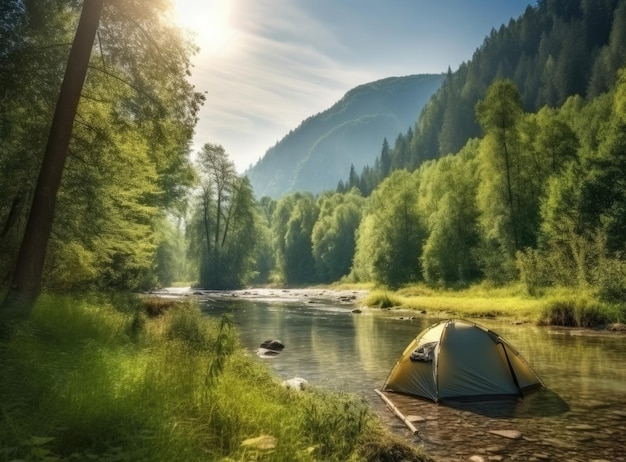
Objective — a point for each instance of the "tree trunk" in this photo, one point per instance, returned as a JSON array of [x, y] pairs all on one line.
[[26, 282]]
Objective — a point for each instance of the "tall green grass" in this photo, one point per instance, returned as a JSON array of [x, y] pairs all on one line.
[[555, 306], [580, 311], [102, 380], [383, 299]]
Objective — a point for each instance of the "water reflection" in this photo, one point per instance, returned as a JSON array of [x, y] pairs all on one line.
[[539, 403], [580, 415]]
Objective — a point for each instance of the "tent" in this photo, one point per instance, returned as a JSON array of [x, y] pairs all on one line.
[[459, 360]]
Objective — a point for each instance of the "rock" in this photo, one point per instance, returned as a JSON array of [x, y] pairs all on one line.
[[261, 443], [541, 456], [476, 459], [297, 383], [272, 344], [415, 418], [580, 427], [356, 311], [510, 434], [265, 353]]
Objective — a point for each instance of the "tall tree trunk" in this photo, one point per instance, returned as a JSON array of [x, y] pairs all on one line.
[[26, 282]]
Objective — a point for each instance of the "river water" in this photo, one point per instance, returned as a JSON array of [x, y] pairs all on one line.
[[579, 416]]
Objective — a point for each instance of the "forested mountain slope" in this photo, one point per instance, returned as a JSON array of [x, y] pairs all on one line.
[[556, 49], [314, 156]]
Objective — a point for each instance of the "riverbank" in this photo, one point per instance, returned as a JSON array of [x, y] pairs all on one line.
[[555, 307], [559, 307], [133, 379]]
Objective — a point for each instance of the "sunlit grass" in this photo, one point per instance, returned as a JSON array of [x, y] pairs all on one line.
[[383, 299], [88, 381], [557, 306]]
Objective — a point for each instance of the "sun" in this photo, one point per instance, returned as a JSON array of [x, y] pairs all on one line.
[[209, 20]]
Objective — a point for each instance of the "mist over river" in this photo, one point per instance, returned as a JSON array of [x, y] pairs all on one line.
[[579, 416]]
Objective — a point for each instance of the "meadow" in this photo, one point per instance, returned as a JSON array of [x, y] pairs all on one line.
[[566, 307], [127, 378]]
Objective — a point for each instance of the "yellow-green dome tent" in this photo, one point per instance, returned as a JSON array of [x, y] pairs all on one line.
[[457, 360]]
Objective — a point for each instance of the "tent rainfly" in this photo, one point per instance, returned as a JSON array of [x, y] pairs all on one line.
[[460, 360]]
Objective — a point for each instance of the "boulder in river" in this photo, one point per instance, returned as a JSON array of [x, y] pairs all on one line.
[[265, 353], [273, 344]]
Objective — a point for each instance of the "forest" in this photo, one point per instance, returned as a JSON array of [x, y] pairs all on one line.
[[514, 172]]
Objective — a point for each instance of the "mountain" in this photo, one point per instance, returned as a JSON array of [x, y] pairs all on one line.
[[319, 152], [556, 49]]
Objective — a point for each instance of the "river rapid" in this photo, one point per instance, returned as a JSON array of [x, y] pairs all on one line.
[[580, 415]]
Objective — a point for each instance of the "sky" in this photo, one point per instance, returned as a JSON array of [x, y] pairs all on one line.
[[266, 65]]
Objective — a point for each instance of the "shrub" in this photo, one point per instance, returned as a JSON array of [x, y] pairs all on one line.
[[574, 312], [382, 299]]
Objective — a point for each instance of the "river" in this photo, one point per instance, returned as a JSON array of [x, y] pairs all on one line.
[[579, 416]]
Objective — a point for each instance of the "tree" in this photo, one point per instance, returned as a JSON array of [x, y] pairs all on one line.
[[292, 226], [500, 163], [27, 276], [224, 221], [448, 204], [333, 235], [390, 235], [127, 160]]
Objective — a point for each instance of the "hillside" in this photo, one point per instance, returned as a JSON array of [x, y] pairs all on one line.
[[555, 50], [318, 153]]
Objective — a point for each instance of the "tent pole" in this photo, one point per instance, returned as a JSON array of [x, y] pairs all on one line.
[[397, 412]]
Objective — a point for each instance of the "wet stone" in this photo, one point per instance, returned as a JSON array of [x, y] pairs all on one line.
[[510, 434], [541, 456], [557, 443], [581, 427], [495, 449], [476, 459], [415, 418]]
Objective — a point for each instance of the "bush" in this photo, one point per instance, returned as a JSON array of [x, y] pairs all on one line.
[[574, 312], [382, 299]]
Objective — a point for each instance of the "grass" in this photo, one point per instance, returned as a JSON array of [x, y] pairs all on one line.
[[557, 306], [95, 379], [383, 299]]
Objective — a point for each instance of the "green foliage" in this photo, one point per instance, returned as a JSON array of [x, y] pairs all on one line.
[[128, 155], [574, 312], [382, 299], [342, 420], [292, 225], [333, 235], [389, 237], [223, 223], [448, 202], [73, 387]]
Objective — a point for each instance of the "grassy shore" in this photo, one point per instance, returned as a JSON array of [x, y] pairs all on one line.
[[559, 306], [148, 380]]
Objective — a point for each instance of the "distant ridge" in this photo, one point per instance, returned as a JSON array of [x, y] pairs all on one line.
[[319, 152]]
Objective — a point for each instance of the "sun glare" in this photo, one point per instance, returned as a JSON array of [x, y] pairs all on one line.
[[209, 20]]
